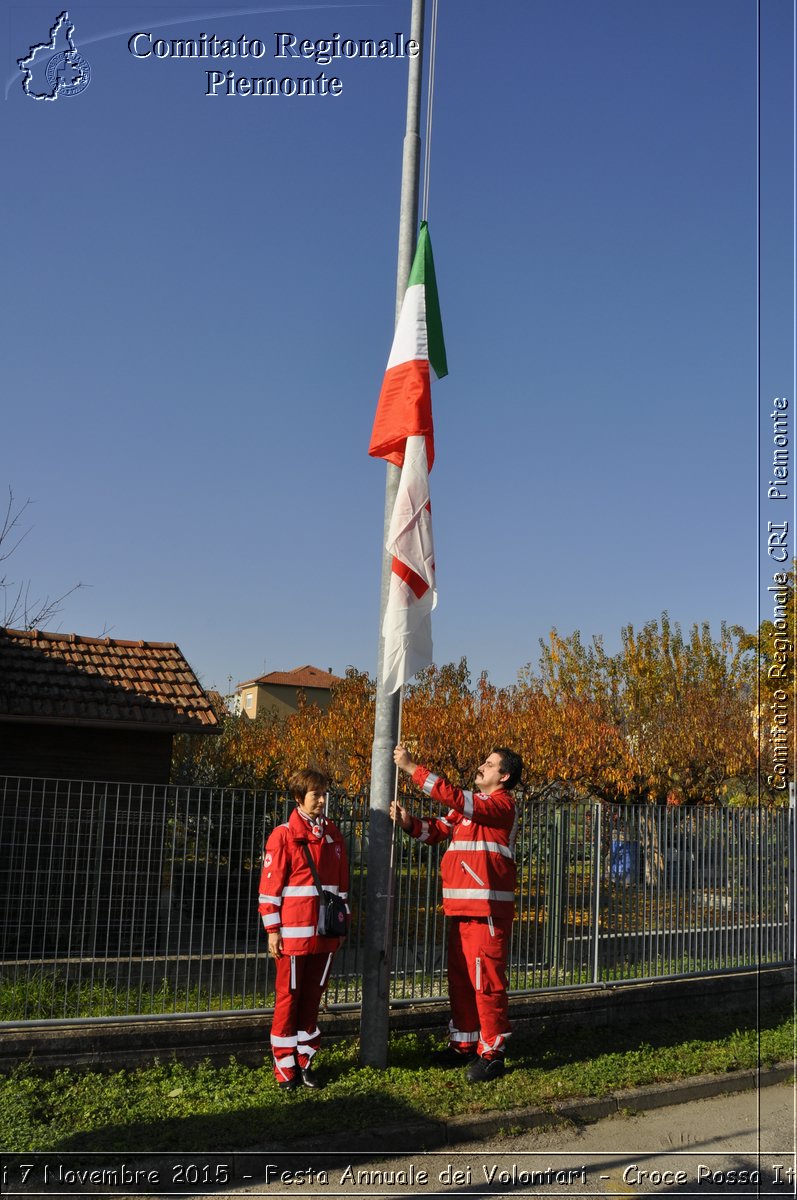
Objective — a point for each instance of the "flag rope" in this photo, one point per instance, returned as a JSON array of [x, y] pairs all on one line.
[[427, 152]]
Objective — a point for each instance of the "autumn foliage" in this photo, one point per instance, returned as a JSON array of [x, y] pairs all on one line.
[[683, 705], [669, 718]]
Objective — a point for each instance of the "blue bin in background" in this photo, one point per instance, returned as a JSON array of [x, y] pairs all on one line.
[[624, 860]]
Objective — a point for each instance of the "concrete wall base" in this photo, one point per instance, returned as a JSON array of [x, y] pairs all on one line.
[[112, 1044]]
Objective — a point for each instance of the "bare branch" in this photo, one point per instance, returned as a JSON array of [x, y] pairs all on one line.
[[19, 610], [11, 520]]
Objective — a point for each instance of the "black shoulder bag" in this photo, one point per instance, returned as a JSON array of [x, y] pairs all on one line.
[[333, 916]]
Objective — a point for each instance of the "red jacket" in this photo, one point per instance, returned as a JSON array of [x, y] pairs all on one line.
[[478, 868], [288, 901]]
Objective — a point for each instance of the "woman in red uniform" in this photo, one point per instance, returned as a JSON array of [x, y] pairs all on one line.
[[289, 906]]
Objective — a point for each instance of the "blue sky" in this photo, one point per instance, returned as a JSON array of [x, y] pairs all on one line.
[[202, 294]]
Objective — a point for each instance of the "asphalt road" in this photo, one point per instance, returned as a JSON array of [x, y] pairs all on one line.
[[741, 1145], [738, 1144]]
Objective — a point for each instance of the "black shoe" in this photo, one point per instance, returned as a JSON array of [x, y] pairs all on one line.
[[288, 1085], [482, 1070], [310, 1079], [451, 1058]]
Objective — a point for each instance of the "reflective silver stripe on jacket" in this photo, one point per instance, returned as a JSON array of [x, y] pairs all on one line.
[[467, 804], [298, 931], [429, 783], [309, 889], [275, 900], [423, 836], [270, 919], [496, 847], [476, 894]]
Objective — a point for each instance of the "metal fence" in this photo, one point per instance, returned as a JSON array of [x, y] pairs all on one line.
[[120, 899]]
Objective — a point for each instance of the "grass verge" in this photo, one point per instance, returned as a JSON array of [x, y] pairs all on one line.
[[171, 1106]]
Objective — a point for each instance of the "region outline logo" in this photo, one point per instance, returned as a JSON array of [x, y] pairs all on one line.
[[66, 73]]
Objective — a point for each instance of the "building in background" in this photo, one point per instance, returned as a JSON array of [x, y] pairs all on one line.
[[279, 691], [75, 707]]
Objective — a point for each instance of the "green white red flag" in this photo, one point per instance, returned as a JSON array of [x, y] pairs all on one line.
[[405, 402], [403, 434]]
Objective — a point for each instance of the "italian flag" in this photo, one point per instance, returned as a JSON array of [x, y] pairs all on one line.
[[405, 402], [403, 434]]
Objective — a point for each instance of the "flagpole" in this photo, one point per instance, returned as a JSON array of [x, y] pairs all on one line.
[[378, 947]]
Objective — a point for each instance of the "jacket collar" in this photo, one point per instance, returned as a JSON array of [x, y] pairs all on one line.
[[498, 792], [304, 828]]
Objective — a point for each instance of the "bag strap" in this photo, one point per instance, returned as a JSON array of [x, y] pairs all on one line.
[[311, 865]]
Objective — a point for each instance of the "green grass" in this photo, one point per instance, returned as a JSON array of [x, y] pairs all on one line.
[[50, 994], [171, 1106]]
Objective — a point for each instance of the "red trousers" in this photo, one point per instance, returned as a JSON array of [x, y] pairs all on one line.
[[295, 1035], [478, 949]]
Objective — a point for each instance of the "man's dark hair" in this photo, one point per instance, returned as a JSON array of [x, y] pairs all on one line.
[[511, 765]]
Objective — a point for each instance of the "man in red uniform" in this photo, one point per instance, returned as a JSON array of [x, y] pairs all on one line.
[[289, 906], [479, 874]]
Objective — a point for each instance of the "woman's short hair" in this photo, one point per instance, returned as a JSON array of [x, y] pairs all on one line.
[[307, 780]]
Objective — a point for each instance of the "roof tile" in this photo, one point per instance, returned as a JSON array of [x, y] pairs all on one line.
[[100, 680]]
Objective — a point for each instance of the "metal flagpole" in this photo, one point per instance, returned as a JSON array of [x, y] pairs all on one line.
[[377, 950]]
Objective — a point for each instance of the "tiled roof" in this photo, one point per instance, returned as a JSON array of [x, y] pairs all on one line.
[[303, 677], [60, 678]]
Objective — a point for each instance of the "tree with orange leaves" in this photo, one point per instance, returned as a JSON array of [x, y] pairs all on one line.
[[264, 752], [668, 715], [337, 740], [683, 705], [243, 754]]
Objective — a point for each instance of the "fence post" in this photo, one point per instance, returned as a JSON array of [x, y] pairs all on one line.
[[165, 893], [99, 851], [597, 842], [558, 881], [549, 888]]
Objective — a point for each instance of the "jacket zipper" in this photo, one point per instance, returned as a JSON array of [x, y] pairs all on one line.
[[471, 872]]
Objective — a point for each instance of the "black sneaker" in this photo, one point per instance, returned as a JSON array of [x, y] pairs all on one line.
[[288, 1085], [310, 1079], [482, 1070], [450, 1057]]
